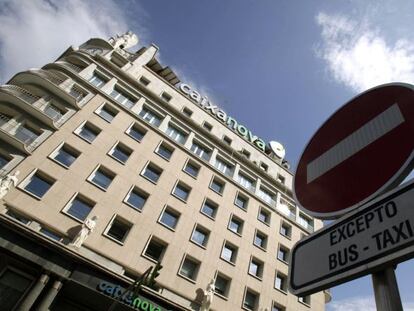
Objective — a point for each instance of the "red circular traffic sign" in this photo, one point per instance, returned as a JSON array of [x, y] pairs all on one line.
[[361, 151]]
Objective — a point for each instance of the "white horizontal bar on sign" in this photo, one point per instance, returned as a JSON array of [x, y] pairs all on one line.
[[355, 142]]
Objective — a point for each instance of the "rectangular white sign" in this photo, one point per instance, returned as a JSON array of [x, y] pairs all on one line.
[[377, 234]]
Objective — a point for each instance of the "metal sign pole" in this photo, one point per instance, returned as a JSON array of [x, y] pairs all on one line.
[[387, 295]]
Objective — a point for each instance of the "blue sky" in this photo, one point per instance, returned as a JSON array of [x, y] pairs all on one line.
[[279, 67]]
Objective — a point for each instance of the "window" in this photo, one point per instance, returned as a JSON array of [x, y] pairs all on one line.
[[277, 307], [260, 239], [118, 229], [305, 299], [245, 153], [281, 282], [165, 151], [176, 134], [13, 286], [200, 151], [281, 179], [286, 230], [245, 181], [251, 300], [155, 249], [165, 96], [122, 98], [283, 253], [136, 198], [53, 111], [79, 207], [169, 217], [18, 217], [264, 166], [189, 268], [266, 195], [264, 216], [88, 132], [107, 112], [152, 172], [77, 93], [97, 80], [4, 160], [181, 191], [256, 267], [207, 126], [65, 155], [227, 140], [120, 152], [209, 209], [222, 285], [150, 117], [50, 234], [305, 222], [224, 167], [287, 209], [101, 177], [188, 112], [217, 185], [236, 224], [229, 252], [136, 132], [26, 134], [241, 201], [144, 81], [192, 169], [200, 235], [37, 184]]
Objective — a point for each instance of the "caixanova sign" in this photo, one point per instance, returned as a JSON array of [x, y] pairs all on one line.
[[223, 117]]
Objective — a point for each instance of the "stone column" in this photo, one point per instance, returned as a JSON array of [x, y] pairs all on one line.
[[50, 296], [164, 123], [213, 156], [34, 293]]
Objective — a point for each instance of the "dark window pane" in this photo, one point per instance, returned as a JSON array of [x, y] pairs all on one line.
[[88, 133], [181, 192], [155, 250], [221, 285], [118, 230], [120, 154], [65, 156], [3, 160], [189, 268], [164, 152], [136, 199], [107, 114], [217, 186], [79, 209], [50, 234], [12, 287], [102, 179], [152, 173], [209, 209], [169, 219], [191, 169], [136, 133], [38, 185]]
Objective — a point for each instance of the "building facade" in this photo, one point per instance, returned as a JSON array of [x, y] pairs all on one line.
[[109, 165]]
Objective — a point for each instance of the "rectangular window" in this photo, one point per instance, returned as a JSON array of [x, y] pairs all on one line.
[[97, 80], [245, 181], [101, 177], [305, 299], [224, 167], [267, 196], [13, 286], [76, 92], [222, 285], [26, 134], [251, 300], [188, 112], [200, 235], [277, 307], [169, 217], [207, 126], [165, 151], [165, 96], [182, 191], [120, 152], [283, 253], [176, 134], [136, 198], [4, 160], [201, 151], [50, 234], [241, 201], [118, 229], [305, 222], [38, 184], [264, 166], [189, 268], [192, 169], [107, 112], [18, 217], [286, 230], [136, 132], [245, 153], [155, 249], [152, 172], [281, 179], [264, 216], [88, 132], [287, 209], [281, 282], [209, 209], [229, 252], [236, 225], [122, 98], [79, 207], [217, 185], [227, 140], [260, 239], [65, 155], [144, 81], [150, 116], [256, 268]]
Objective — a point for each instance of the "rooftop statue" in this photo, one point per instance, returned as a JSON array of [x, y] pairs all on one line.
[[7, 182], [125, 41]]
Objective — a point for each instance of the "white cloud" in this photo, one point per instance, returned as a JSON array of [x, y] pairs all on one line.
[[360, 304], [360, 57], [35, 32]]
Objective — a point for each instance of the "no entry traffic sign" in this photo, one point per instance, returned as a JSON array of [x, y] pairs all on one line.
[[361, 151], [373, 236]]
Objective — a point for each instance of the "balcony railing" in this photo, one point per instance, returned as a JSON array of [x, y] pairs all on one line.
[[17, 130], [71, 66], [21, 93], [284, 209]]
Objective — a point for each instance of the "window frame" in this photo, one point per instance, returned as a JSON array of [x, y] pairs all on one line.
[[283, 278], [195, 272], [141, 193], [284, 250], [83, 199], [204, 231], [160, 242], [92, 128], [234, 249], [183, 187], [106, 172], [256, 301], [226, 292], [40, 175], [138, 128], [122, 146], [220, 181], [260, 268], [152, 165], [167, 147], [122, 221], [62, 145], [108, 111], [215, 208], [264, 237], [244, 197], [268, 216], [240, 226], [194, 164], [172, 212]]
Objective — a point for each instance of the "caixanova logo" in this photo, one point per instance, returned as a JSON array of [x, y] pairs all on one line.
[[223, 117], [127, 297]]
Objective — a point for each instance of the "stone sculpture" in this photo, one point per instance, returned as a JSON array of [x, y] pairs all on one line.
[[7, 182], [84, 232], [208, 296], [125, 41]]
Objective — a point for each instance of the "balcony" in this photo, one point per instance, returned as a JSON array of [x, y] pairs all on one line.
[[286, 210], [40, 108], [17, 134]]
